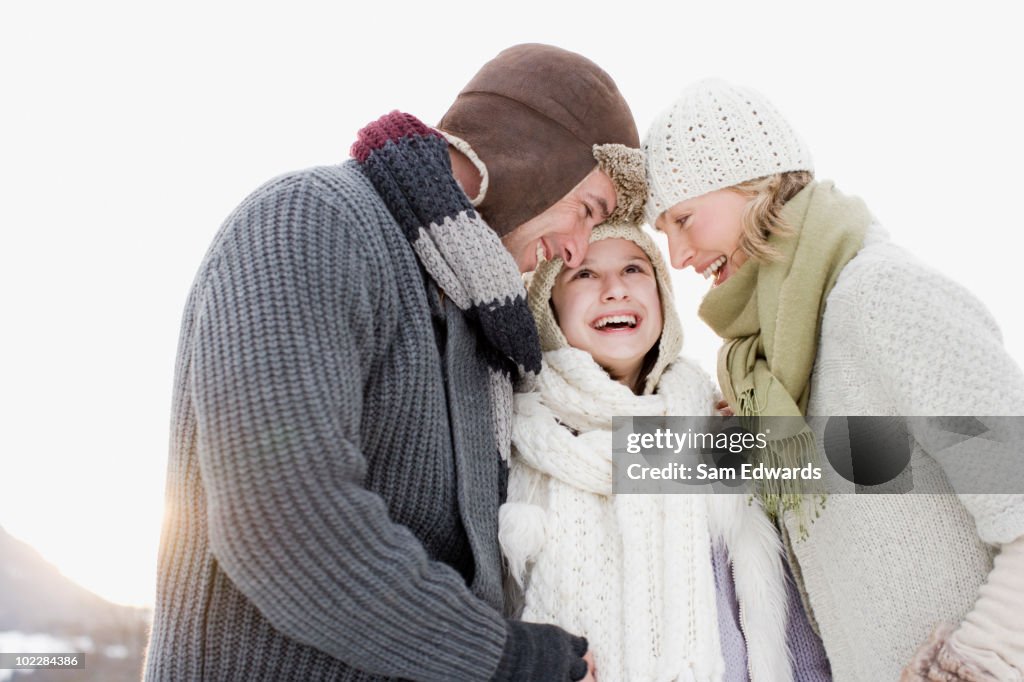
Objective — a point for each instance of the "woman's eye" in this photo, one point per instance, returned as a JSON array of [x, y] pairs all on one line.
[[583, 274]]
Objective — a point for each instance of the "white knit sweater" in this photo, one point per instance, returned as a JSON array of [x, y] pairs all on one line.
[[632, 572], [879, 571]]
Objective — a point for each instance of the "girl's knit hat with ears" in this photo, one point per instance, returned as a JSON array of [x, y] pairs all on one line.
[[714, 136], [543, 281]]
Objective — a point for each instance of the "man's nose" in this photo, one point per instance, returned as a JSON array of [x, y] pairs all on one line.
[[574, 249]]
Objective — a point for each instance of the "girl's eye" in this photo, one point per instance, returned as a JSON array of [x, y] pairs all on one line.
[[683, 221], [583, 274], [634, 268]]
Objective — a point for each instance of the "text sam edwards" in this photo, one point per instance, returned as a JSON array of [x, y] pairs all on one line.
[[703, 472]]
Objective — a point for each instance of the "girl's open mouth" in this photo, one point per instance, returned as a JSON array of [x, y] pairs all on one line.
[[616, 323]]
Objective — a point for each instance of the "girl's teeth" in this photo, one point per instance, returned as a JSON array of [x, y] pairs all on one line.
[[626, 319]]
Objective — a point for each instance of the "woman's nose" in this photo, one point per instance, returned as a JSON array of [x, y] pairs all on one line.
[[680, 253]]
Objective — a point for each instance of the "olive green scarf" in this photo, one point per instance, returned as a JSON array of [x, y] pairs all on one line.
[[769, 315]]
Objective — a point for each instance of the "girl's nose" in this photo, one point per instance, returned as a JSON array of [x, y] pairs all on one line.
[[615, 288]]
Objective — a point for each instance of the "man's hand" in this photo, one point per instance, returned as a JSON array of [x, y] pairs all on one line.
[[591, 669]]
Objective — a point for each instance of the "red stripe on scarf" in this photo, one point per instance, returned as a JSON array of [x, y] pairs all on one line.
[[393, 126]]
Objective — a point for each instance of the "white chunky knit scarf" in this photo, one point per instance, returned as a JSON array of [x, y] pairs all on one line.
[[630, 572]]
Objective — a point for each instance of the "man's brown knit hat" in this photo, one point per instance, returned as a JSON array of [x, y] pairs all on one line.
[[533, 114]]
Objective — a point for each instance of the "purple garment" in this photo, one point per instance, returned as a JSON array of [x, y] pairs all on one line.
[[734, 647], [810, 664]]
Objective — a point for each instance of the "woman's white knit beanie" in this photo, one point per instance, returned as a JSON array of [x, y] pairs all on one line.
[[714, 136]]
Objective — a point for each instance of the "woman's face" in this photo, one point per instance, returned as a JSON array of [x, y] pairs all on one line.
[[609, 306], [704, 233]]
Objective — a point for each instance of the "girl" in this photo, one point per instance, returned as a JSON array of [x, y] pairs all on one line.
[[822, 315], [638, 575]]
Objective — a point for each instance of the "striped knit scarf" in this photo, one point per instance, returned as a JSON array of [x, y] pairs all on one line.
[[409, 165]]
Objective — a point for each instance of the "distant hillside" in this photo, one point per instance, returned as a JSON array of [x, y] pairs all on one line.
[[36, 600]]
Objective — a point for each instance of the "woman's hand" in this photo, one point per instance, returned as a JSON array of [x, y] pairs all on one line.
[[723, 409], [987, 646]]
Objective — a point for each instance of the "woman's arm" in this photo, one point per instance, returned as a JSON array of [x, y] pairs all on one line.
[[937, 351]]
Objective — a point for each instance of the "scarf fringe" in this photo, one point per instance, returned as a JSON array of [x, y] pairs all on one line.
[[778, 495], [769, 315]]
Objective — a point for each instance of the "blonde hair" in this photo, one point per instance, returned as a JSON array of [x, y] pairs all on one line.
[[761, 217]]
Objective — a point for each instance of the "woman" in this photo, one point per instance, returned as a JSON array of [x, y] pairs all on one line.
[[822, 315]]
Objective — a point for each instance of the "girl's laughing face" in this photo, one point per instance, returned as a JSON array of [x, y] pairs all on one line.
[[609, 306]]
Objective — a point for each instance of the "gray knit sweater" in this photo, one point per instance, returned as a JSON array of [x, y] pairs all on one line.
[[333, 480]]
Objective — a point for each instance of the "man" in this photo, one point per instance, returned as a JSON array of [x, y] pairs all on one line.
[[343, 392]]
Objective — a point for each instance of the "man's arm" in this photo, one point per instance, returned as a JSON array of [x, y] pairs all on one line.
[[285, 336]]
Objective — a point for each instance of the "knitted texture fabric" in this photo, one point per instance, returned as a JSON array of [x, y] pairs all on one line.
[[409, 165], [805, 649], [987, 645], [333, 481], [768, 315], [543, 281], [714, 136], [598, 571], [631, 572], [810, 663], [759, 579], [899, 338], [730, 632]]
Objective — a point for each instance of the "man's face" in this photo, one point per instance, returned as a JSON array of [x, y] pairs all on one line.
[[563, 230]]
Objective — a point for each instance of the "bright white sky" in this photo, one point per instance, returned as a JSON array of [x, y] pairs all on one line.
[[130, 130]]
